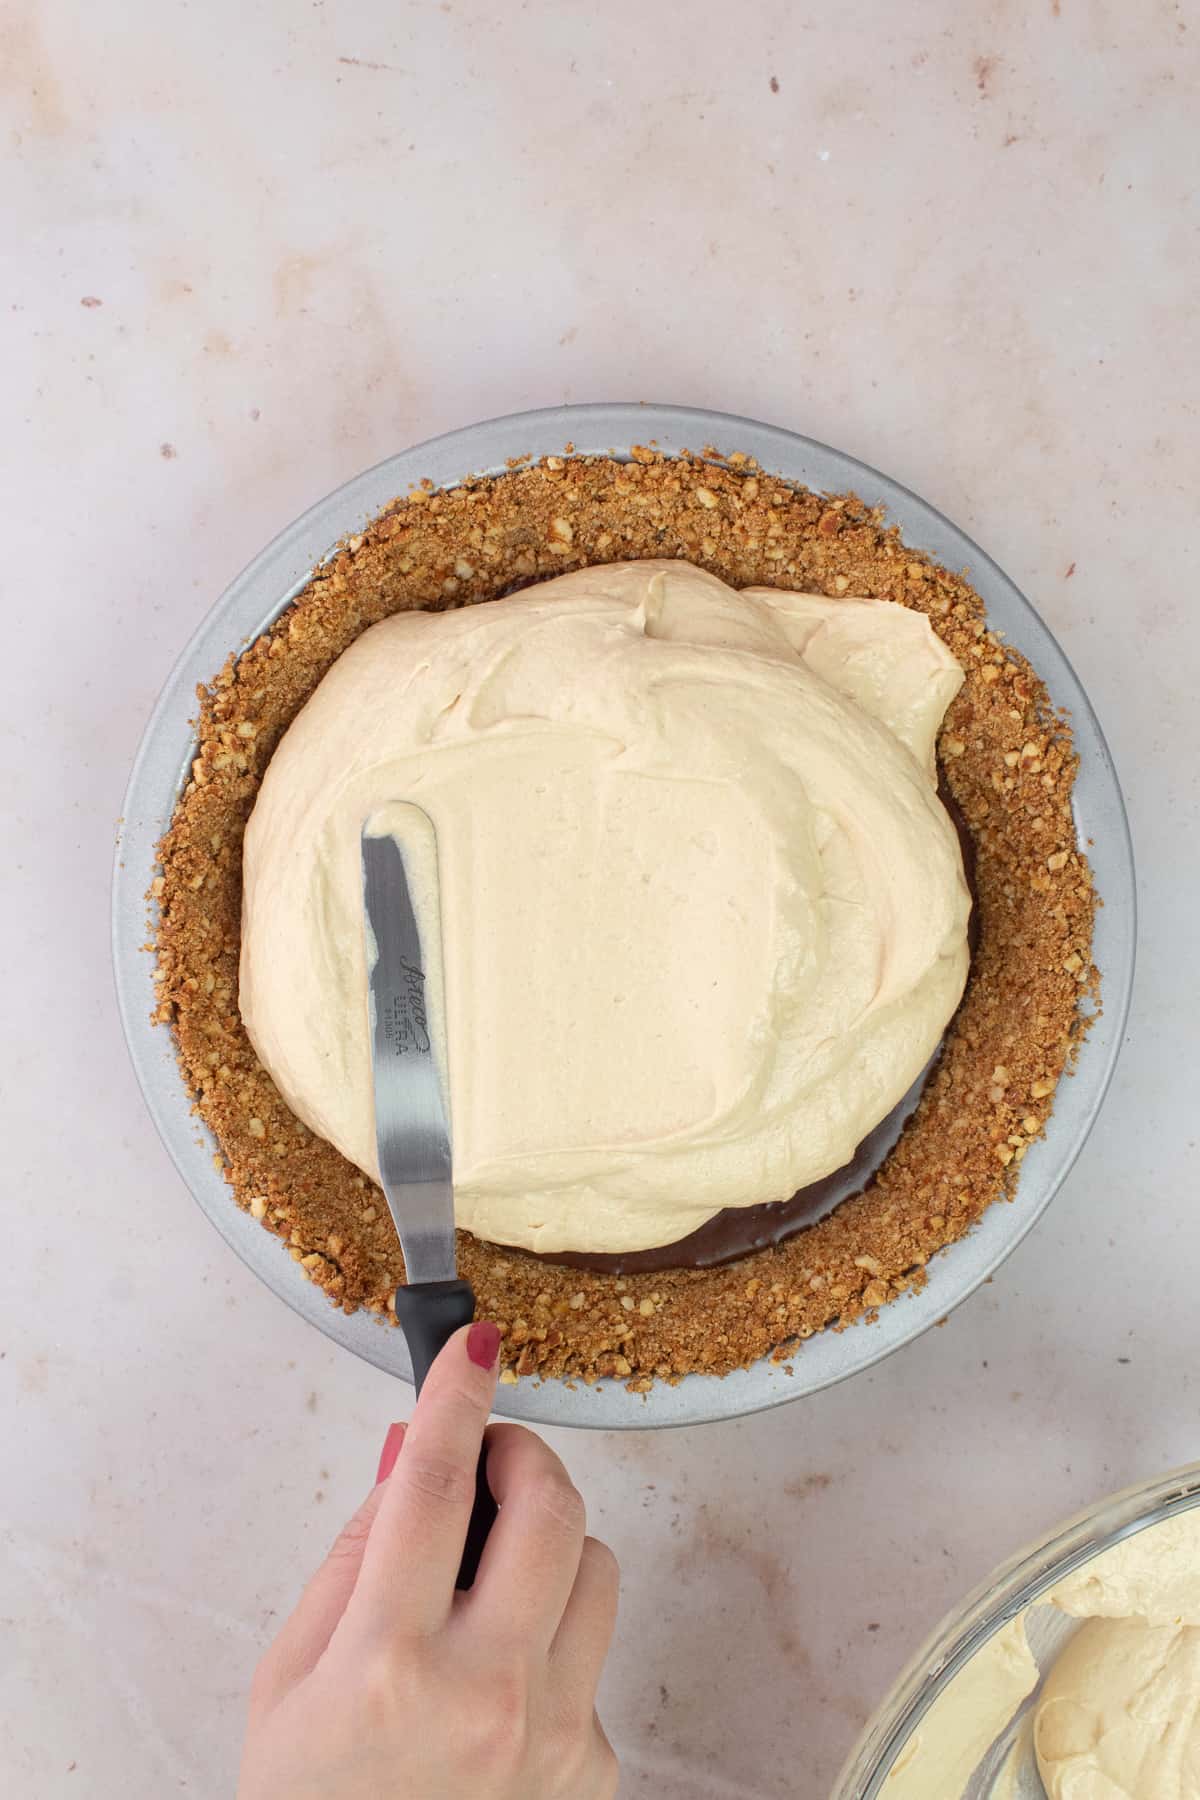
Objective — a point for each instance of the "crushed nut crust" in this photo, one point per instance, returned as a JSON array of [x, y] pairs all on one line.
[[1005, 753]]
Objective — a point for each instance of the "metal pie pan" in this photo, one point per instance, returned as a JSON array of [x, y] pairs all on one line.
[[268, 585]]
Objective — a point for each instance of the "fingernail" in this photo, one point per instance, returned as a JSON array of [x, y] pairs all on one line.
[[483, 1343], [389, 1453]]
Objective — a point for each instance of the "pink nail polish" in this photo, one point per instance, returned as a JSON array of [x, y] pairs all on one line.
[[389, 1453], [483, 1343]]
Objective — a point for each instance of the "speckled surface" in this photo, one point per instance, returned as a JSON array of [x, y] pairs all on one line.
[[962, 245]]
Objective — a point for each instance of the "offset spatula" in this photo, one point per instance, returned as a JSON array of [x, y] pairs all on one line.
[[412, 1130]]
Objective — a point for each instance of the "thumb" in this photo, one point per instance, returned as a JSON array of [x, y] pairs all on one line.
[[305, 1635]]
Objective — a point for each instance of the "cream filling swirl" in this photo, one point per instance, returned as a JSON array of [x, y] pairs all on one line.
[[703, 914]]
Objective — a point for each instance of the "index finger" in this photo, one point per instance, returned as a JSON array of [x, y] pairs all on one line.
[[406, 1583]]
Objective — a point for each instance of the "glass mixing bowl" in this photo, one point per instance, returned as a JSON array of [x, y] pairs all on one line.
[[1016, 1585]]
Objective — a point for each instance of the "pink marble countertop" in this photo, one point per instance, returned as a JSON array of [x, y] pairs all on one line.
[[247, 252]]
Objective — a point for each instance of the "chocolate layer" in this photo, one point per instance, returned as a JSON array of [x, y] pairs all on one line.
[[738, 1230]]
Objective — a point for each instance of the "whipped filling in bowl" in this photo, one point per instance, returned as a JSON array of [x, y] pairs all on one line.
[[1117, 1715], [704, 916]]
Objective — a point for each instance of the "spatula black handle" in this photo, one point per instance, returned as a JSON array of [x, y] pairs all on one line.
[[430, 1312]]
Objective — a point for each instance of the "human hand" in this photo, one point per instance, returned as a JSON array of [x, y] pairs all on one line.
[[386, 1684]]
